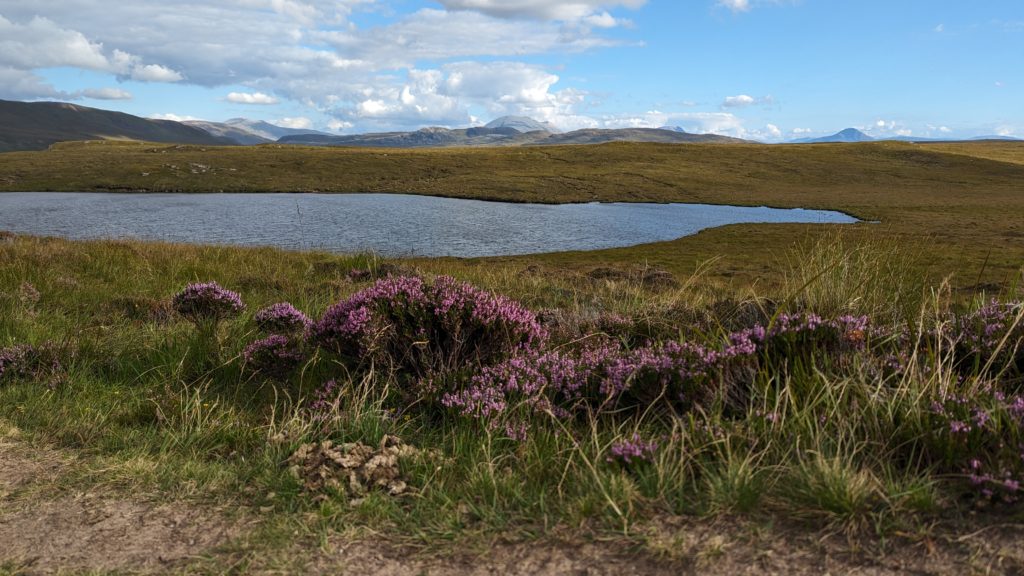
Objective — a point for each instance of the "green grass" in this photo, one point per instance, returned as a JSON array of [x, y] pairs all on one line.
[[147, 416]]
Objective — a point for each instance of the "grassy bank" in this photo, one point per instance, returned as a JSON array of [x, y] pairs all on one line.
[[956, 204], [873, 402]]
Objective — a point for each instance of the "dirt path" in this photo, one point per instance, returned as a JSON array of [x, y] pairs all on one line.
[[44, 531]]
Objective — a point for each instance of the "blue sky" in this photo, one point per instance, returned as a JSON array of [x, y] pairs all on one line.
[[763, 69]]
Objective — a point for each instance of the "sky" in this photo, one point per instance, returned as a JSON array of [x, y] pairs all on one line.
[[770, 70]]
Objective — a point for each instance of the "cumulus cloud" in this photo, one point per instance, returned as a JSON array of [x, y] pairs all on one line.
[[253, 98], [154, 73], [40, 42], [173, 117], [738, 6], [744, 100], [738, 101], [564, 10], [300, 122], [106, 94], [402, 73], [20, 84], [735, 5], [801, 131]]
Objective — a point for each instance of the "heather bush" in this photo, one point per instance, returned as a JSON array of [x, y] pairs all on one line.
[[25, 362], [979, 437], [990, 337], [206, 305], [421, 329], [282, 318], [274, 357], [804, 336], [632, 451], [207, 302]]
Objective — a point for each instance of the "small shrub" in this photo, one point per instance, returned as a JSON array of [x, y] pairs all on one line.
[[632, 451], [423, 329], [282, 318], [24, 362], [991, 335], [274, 357], [207, 302], [979, 438]]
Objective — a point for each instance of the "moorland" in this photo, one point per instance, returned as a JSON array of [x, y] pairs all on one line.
[[784, 398]]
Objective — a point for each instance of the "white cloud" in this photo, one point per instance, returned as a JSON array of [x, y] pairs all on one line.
[[801, 131], [940, 28], [744, 100], [42, 43], [173, 117], [339, 125], [738, 101], [253, 98], [106, 94], [22, 84], [310, 52], [300, 122], [773, 131], [154, 73], [735, 5], [563, 10]]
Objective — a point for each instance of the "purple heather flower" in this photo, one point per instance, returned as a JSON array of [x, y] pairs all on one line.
[[633, 449], [427, 327], [207, 301], [282, 318], [958, 427], [275, 356]]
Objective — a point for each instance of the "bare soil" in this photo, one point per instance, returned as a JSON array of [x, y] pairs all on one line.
[[45, 530]]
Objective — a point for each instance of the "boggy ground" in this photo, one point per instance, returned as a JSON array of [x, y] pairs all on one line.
[[957, 204], [47, 528]]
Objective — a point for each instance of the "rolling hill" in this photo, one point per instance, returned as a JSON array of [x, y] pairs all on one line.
[[37, 125]]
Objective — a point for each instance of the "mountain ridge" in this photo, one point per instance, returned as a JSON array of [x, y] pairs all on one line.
[[38, 125]]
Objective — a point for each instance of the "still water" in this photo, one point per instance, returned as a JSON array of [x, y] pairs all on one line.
[[389, 224]]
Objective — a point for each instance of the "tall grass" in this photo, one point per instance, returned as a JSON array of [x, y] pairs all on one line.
[[838, 442]]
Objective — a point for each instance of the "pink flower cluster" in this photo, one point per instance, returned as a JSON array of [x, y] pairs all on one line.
[[980, 437], [632, 450], [28, 362], [275, 356], [991, 333], [678, 376], [427, 328], [282, 318], [599, 377], [207, 302]]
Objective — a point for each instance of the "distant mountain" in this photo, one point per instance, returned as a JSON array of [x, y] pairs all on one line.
[[848, 135], [249, 132], [508, 131], [522, 124], [1010, 138], [423, 138], [37, 125], [223, 130], [268, 130], [595, 136]]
